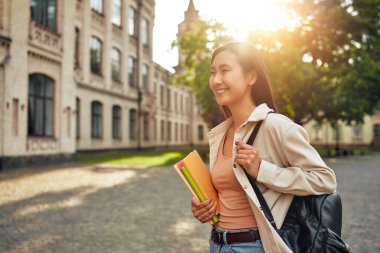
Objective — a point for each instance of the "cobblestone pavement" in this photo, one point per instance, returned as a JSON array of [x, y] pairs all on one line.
[[107, 208]]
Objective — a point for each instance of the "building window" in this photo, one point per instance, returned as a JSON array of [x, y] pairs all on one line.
[[44, 12], [76, 48], [146, 126], [145, 76], [169, 135], [116, 122], [96, 55], [181, 102], [176, 132], [182, 133], [336, 133], [187, 105], [40, 105], [145, 32], [132, 21], [96, 120], [357, 131], [116, 12], [162, 130], [317, 129], [376, 130], [162, 94], [132, 71], [188, 133], [133, 124], [77, 117], [175, 101], [15, 106], [200, 133], [169, 98], [97, 5], [115, 64]]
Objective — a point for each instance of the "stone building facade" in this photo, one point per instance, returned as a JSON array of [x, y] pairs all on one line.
[[78, 75]]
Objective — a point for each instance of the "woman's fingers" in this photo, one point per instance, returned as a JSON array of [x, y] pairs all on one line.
[[204, 211], [208, 212]]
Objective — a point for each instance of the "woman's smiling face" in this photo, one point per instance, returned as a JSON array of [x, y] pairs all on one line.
[[230, 84]]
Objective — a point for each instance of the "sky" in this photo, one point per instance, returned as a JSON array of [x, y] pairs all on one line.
[[241, 17]]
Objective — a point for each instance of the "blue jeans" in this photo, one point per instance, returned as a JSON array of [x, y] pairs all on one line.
[[244, 247]]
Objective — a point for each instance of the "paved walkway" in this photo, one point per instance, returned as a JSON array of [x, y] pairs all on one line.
[[80, 209]]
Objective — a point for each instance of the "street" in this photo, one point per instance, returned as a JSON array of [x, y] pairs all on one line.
[[111, 208]]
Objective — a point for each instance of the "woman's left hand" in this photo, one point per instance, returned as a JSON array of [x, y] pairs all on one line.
[[248, 157]]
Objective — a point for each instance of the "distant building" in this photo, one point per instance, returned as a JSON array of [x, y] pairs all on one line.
[[78, 75], [360, 135]]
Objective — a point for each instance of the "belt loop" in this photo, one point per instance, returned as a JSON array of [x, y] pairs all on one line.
[[252, 235], [225, 238]]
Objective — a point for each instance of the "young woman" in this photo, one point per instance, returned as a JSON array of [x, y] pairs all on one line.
[[282, 162]]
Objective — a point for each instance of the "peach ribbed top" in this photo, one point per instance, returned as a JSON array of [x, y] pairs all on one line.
[[235, 211]]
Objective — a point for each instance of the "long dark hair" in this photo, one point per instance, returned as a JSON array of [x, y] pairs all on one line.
[[249, 59]]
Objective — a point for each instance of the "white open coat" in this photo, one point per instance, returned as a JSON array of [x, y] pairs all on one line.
[[290, 166]]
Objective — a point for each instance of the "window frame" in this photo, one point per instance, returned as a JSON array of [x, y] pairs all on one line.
[[116, 7], [116, 122], [116, 64], [96, 55], [132, 22], [97, 6], [133, 124], [96, 120], [145, 77], [145, 38], [40, 13], [132, 77], [34, 102]]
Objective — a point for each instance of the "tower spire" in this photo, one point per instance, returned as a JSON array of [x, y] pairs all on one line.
[[191, 13]]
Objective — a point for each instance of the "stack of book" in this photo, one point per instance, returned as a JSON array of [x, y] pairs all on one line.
[[196, 176]]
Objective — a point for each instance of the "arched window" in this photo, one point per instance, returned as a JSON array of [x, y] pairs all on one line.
[[116, 122], [132, 20], [40, 105], [96, 55], [96, 119], [132, 124]]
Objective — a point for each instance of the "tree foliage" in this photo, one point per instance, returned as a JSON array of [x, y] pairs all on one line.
[[196, 46], [327, 68], [341, 37]]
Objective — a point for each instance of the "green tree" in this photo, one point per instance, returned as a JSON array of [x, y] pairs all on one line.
[[327, 67], [341, 38], [196, 46]]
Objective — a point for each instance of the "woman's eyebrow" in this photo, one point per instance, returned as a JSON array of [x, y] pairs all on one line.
[[224, 65]]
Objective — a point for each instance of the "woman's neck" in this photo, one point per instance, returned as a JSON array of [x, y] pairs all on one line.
[[241, 113]]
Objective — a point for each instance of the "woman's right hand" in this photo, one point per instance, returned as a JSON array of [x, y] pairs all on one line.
[[203, 211]]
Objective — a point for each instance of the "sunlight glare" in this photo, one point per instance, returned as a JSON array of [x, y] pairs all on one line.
[[245, 16]]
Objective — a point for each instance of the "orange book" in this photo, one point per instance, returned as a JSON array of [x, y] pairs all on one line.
[[201, 176]]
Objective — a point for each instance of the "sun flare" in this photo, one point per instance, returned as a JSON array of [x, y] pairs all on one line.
[[243, 16]]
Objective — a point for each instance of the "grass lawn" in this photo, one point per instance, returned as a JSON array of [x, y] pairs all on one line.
[[153, 158], [169, 156]]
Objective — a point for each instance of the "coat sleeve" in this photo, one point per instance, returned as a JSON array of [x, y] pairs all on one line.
[[305, 173]]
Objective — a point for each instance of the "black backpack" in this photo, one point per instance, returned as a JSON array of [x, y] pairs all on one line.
[[313, 224]]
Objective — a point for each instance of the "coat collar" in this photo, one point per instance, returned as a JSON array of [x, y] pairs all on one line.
[[259, 113]]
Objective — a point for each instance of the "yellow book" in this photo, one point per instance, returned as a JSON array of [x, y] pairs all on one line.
[[201, 177]]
